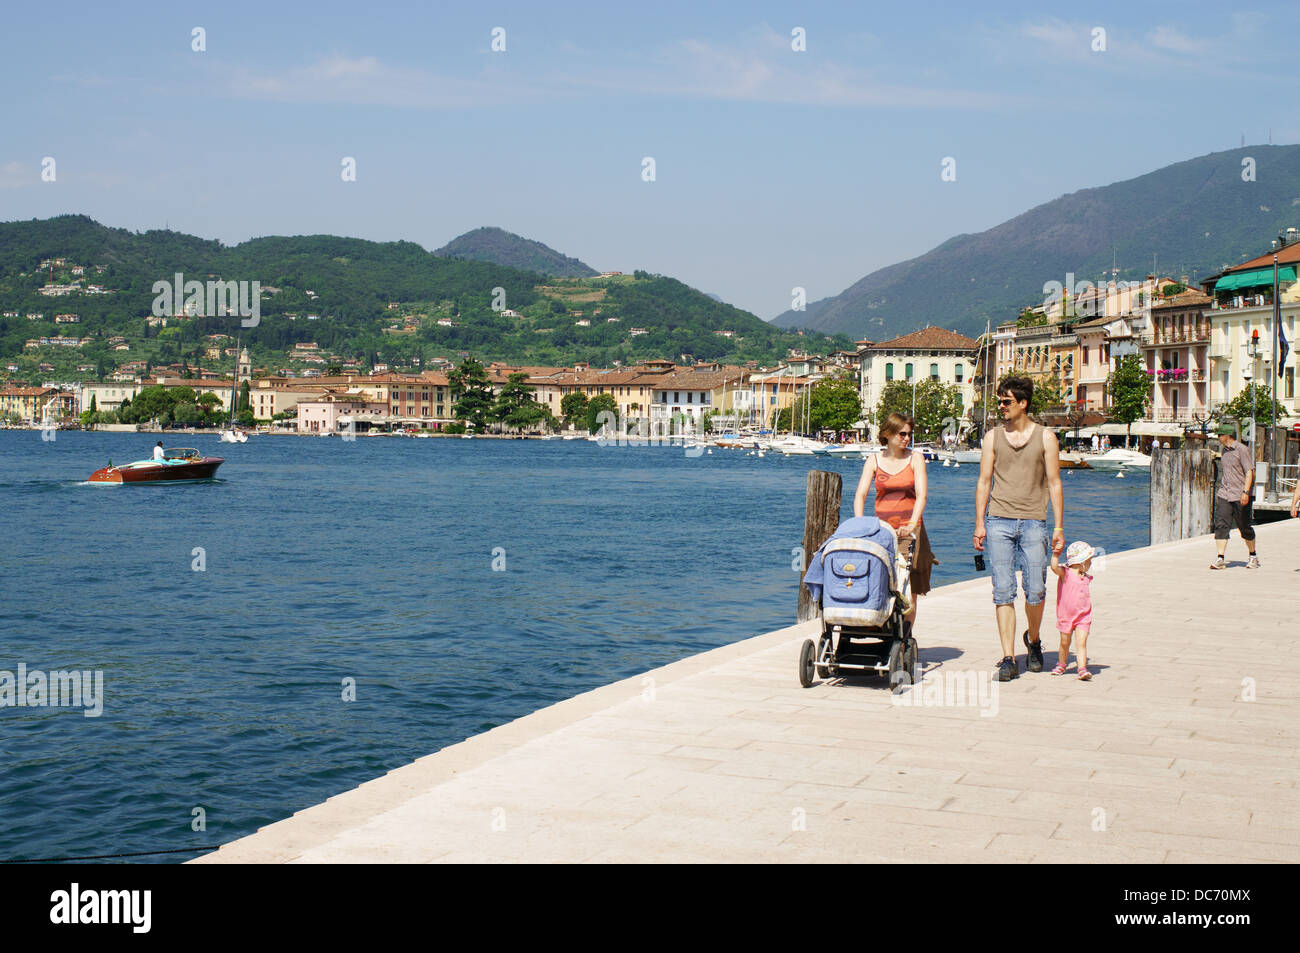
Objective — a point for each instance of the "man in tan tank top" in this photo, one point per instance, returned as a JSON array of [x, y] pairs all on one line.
[[1020, 469]]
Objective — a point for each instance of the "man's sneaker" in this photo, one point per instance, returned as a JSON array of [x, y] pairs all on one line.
[[1253, 563], [1008, 669], [1035, 660], [1217, 564]]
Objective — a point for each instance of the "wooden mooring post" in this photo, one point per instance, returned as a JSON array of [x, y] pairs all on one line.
[[1182, 494], [820, 517]]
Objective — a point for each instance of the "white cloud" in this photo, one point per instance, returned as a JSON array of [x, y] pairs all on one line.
[[760, 66], [1175, 41], [15, 175]]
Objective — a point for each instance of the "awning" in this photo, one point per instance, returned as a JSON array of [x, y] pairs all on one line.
[[1142, 428], [1255, 278]]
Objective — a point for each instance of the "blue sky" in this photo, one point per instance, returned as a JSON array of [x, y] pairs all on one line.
[[774, 168]]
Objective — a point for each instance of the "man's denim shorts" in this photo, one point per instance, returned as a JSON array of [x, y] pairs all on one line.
[[1017, 544]]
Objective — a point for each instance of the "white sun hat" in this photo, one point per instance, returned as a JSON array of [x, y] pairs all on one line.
[[1079, 552]]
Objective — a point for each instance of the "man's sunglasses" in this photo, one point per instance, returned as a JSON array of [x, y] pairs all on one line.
[[1005, 402]]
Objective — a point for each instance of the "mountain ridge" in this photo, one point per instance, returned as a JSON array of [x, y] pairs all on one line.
[[972, 278], [500, 247]]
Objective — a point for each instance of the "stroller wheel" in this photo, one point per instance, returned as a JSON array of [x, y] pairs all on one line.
[[895, 664], [910, 660], [823, 647], [806, 663]]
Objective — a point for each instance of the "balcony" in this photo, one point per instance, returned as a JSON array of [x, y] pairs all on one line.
[[1162, 338], [1243, 301]]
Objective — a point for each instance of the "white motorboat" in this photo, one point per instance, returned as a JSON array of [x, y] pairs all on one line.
[[1117, 458], [234, 436], [967, 456], [795, 445], [853, 451]]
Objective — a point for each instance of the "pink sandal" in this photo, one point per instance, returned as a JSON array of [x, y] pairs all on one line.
[[1085, 675], [1060, 669]]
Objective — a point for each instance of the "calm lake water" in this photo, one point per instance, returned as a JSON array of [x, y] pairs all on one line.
[[373, 560]]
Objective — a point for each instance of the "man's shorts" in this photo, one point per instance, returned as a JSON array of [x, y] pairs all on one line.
[[1017, 544], [1230, 513]]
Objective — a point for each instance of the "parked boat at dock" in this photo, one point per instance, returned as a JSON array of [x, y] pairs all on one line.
[[1119, 459]]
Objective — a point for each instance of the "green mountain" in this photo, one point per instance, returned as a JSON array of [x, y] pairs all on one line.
[[500, 247], [359, 301], [1191, 218]]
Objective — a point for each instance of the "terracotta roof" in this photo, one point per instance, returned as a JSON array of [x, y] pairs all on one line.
[[1184, 299], [1289, 255], [931, 338], [26, 391], [699, 380]]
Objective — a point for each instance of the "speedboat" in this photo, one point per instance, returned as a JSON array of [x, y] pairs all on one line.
[[180, 465], [1118, 458], [234, 436]]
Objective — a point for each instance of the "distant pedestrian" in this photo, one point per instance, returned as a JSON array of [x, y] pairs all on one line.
[[1096, 443], [1105, 442], [1295, 501], [1019, 471], [1074, 606], [1232, 504]]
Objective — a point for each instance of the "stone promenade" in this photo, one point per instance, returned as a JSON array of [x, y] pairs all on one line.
[[1185, 747]]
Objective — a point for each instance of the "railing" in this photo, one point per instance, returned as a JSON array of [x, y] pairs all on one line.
[[1161, 338], [1173, 417], [1242, 301], [1287, 474]]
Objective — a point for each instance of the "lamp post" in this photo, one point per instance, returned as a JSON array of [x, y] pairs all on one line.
[[1271, 494], [1253, 350]]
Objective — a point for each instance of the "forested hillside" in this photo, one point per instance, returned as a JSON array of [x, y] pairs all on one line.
[[362, 303], [499, 247]]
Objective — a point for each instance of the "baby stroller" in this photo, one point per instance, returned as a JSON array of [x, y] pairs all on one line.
[[861, 578]]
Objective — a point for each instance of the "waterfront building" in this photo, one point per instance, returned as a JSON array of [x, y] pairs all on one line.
[[1243, 306], [930, 353], [694, 392], [1175, 349], [269, 396], [769, 393], [324, 414], [108, 395], [27, 402], [1095, 366]]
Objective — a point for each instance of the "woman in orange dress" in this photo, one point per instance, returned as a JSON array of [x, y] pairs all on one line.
[[898, 473]]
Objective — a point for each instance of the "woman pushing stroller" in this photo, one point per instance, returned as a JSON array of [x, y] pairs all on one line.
[[898, 473]]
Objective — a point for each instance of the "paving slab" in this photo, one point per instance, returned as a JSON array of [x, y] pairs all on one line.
[[1185, 748]]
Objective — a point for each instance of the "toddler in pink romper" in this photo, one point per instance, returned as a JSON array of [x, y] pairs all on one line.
[[1074, 605]]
